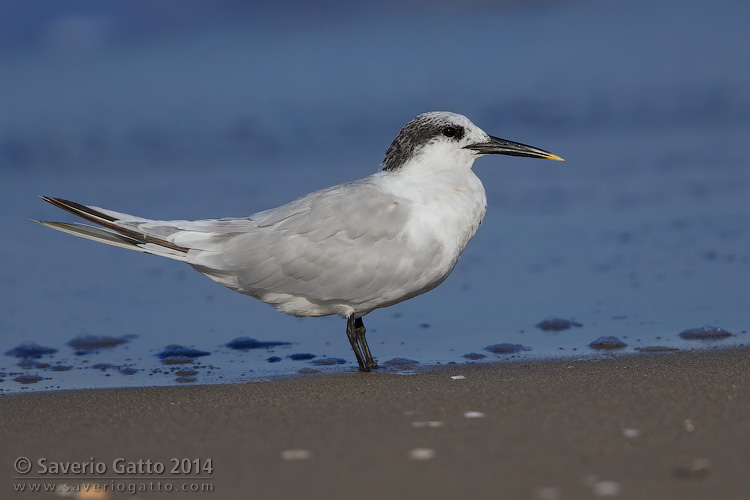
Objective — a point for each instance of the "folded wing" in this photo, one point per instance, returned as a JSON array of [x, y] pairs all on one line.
[[344, 246]]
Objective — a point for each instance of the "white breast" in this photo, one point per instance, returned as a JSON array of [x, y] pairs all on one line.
[[446, 209]]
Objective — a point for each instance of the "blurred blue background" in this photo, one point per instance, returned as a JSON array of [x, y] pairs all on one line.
[[191, 109]]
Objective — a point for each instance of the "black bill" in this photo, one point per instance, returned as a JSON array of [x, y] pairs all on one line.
[[499, 146]]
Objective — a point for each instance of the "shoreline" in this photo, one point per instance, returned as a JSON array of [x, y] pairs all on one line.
[[634, 426]]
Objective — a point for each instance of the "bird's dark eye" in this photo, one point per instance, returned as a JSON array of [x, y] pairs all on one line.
[[449, 132]]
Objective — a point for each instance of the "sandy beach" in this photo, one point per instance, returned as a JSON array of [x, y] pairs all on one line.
[[670, 425]]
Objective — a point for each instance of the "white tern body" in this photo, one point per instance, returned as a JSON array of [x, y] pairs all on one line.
[[344, 250]]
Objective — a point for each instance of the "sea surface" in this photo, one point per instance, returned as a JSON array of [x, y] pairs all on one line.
[[223, 109]]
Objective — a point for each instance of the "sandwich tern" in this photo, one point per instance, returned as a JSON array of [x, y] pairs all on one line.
[[346, 250]]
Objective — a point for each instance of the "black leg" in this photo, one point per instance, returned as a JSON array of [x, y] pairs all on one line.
[[359, 328], [351, 333]]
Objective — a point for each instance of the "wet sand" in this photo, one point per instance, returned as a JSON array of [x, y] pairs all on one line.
[[672, 425]]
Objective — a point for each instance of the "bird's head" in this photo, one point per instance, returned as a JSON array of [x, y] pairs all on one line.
[[440, 138]]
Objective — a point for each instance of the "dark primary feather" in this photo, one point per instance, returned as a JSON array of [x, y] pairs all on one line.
[[97, 217]]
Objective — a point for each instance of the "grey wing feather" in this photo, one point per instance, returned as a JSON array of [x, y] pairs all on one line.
[[344, 243]]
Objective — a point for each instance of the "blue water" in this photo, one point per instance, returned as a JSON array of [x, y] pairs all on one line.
[[223, 109]]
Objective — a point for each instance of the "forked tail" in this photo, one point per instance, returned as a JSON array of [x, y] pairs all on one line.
[[120, 230]]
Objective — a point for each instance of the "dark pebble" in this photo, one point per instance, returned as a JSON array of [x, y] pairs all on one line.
[[84, 344], [401, 362], [273, 359], [60, 368], [474, 356], [557, 324], [28, 379], [607, 343], [302, 356], [177, 350], [705, 333], [246, 343], [506, 348], [30, 350]]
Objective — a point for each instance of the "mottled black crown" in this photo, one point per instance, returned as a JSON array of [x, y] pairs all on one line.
[[417, 133]]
